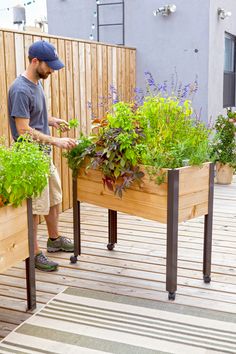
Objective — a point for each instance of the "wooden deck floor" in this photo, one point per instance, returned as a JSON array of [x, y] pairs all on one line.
[[137, 265]]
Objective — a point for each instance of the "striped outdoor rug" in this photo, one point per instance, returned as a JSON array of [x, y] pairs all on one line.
[[85, 321]]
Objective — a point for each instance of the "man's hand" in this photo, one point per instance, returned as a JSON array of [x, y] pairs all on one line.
[[64, 143], [58, 123]]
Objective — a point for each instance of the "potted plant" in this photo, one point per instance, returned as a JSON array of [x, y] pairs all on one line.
[[136, 163], [24, 169], [224, 148]]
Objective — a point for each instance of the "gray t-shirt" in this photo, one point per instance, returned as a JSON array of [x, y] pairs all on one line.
[[27, 100]]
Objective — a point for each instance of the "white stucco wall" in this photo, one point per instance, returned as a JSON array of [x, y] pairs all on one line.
[[189, 42], [178, 43]]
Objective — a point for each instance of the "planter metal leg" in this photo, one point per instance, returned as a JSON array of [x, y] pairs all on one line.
[[172, 233], [76, 223], [208, 229], [29, 262], [112, 229]]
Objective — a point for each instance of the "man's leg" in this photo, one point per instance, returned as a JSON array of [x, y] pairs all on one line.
[[41, 261], [41, 206], [52, 221], [55, 242]]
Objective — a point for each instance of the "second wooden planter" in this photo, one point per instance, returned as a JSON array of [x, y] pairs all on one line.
[[16, 244]]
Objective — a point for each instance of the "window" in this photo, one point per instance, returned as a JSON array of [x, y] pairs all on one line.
[[229, 53], [229, 71]]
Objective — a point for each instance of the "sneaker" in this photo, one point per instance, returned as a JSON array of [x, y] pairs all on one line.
[[43, 263], [60, 244]]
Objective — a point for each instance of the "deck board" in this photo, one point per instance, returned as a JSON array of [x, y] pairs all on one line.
[[136, 267]]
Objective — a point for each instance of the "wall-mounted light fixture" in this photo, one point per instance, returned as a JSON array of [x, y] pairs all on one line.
[[222, 13], [165, 10]]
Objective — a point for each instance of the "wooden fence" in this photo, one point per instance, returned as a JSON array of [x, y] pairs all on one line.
[[84, 89]]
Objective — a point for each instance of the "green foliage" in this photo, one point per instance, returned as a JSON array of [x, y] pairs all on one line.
[[224, 140], [161, 133], [24, 169], [172, 134], [76, 156], [118, 148], [73, 123]]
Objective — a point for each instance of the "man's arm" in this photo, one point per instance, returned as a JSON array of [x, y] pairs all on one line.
[[22, 126], [58, 123]]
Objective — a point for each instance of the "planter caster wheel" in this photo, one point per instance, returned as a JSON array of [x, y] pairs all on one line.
[[171, 296], [207, 279], [73, 259], [110, 246]]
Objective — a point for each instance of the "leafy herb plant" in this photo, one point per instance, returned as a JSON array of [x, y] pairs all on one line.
[[172, 134], [24, 169], [77, 155], [118, 149]]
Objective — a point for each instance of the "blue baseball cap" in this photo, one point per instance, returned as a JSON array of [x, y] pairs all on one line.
[[46, 52]]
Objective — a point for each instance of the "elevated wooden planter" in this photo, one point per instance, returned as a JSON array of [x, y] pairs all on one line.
[[186, 194], [16, 244]]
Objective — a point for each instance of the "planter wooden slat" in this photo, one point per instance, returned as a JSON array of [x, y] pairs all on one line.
[[150, 200], [13, 236]]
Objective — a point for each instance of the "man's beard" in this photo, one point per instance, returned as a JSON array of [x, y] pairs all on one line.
[[42, 75]]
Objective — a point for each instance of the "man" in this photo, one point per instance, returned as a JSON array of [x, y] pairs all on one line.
[[28, 114]]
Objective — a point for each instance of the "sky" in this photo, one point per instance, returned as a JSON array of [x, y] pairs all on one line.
[[33, 10]]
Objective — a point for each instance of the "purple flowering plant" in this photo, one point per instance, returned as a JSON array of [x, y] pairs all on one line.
[[176, 89]]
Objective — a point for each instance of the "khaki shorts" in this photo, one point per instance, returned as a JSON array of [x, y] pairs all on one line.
[[51, 195]]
